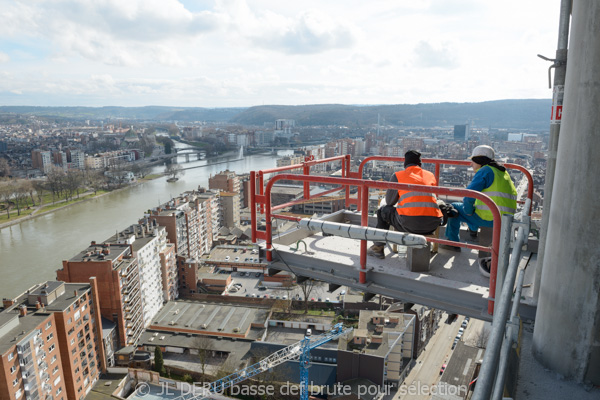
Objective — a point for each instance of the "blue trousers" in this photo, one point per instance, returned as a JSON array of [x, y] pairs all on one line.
[[473, 221]]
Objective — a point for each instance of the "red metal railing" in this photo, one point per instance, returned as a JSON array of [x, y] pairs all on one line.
[[438, 162], [264, 199]]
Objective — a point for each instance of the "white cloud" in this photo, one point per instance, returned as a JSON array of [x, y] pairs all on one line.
[[428, 56], [241, 52]]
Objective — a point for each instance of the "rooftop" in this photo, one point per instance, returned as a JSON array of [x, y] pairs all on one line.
[[14, 327], [100, 252], [215, 319]]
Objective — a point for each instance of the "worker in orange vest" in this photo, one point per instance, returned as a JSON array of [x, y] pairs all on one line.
[[409, 211]]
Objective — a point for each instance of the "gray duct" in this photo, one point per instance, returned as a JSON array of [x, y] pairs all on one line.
[[363, 233]]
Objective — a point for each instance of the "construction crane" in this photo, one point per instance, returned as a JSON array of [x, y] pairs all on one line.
[[297, 351]]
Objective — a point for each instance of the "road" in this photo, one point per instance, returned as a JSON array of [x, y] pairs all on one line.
[[426, 373]]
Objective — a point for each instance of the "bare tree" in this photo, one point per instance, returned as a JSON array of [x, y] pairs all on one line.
[[20, 192], [283, 305], [39, 187], [6, 194], [482, 338], [73, 182], [204, 346], [29, 187], [56, 182], [306, 288], [4, 167], [173, 170], [96, 180]]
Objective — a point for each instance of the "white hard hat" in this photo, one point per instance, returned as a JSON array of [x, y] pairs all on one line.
[[483, 150]]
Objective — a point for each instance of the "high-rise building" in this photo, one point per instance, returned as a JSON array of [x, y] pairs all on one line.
[[461, 133], [77, 159], [41, 160], [118, 279], [49, 342], [147, 242], [226, 181], [230, 207]]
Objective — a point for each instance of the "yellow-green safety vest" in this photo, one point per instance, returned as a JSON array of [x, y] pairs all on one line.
[[502, 191]]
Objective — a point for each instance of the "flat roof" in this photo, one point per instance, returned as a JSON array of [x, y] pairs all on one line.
[[209, 318], [95, 252], [188, 341], [105, 386], [18, 327]]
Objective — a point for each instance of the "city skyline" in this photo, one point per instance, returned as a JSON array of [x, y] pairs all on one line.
[[239, 53]]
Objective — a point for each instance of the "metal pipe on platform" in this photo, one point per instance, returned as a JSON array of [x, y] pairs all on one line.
[[362, 232]]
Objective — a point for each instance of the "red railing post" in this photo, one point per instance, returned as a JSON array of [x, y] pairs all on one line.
[[253, 204], [364, 221]]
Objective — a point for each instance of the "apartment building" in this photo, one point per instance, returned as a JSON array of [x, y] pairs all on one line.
[[49, 342], [42, 160], [118, 279], [226, 181], [211, 214], [77, 159], [148, 240], [230, 207]]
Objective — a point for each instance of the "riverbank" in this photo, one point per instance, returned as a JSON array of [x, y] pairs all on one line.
[[86, 197]]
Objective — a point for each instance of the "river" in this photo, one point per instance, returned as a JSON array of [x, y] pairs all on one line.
[[32, 251]]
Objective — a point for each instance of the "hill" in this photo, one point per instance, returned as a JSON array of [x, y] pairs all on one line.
[[522, 114], [516, 114]]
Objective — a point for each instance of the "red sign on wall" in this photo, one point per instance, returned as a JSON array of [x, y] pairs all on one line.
[[557, 104]]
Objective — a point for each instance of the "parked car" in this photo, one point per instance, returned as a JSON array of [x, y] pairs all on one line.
[[261, 288], [343, 292], [464, 324], [237, 259], [308, 332], [257, 274], [442, 369], [227, 258]]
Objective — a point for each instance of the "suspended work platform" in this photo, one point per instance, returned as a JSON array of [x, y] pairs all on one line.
[[450, 281], [453, 282]]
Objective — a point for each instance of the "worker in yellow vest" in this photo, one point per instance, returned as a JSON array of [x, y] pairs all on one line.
[[409, 211], [492, 179]]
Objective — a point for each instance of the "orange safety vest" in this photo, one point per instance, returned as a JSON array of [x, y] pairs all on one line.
[[417, 203]]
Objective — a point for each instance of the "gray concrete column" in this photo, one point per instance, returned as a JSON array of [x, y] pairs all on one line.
[[566, 336]]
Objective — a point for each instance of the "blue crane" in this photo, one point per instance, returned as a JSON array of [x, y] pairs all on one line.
[[297, 351]]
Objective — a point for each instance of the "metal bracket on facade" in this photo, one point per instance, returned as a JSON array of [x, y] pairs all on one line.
[[555, 64]]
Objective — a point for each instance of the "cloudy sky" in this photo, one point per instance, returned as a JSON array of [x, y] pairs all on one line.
[[232, 53]]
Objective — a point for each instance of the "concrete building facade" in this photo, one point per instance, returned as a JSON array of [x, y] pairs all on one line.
[[49, 342], [117, 275]]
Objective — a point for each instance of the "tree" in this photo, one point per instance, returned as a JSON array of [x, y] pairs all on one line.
[[204, 346], [56, 182], [173, 170], [20, 192], [39, 187], [159, 363], [482, 338], [6, 193], [73, 182], [4, 168], [306, 288]]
